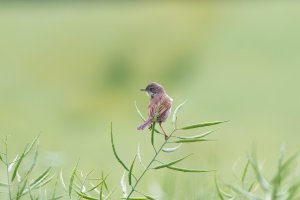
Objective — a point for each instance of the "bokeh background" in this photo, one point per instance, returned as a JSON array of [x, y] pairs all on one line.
[[69, 68]]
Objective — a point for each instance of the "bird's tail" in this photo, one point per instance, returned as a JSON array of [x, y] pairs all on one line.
[[145, 124]]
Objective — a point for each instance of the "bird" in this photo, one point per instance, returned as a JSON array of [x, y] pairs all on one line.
[[159, 106]]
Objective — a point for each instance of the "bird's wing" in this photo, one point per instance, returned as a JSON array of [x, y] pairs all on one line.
[[161, 106]]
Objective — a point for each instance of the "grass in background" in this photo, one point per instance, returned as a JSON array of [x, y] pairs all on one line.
[[20, 182], [253, 184]]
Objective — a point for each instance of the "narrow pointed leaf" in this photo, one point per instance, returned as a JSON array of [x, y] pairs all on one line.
[[189, 170], [152, 133], [171, 163], [17, 167], [265, 185], [104, 180], [109, 195], [72, 179], [41, 177], [61, 178], [192, 140], [139, 112], [84, 196], [3, 185], [130, 171], [139, 154], [114, 149], [174, 117], [11, 165], [289, 161], [196, 136], [101, 193], [20, 192], [33, 161], [95, 186], [153, 127], [149, 198], [28, 149], [220, 195], [245, 193], [245, 171], [169, 150], [202, 125], [123, 184], [251, 186], [43, 183]]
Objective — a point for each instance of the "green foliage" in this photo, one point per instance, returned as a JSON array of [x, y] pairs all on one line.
[[21, 182], [24, 183], [253, 184], [173, 138], [114, 149], [81, 186]]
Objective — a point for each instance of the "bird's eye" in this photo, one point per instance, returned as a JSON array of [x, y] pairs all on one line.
[[152, 89]]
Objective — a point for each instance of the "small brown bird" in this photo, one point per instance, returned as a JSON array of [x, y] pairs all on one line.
[[160, 105]]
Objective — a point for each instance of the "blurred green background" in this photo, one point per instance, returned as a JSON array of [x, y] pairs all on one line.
[[69, 68]]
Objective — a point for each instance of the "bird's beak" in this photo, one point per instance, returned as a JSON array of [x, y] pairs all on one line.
[[143, 89]]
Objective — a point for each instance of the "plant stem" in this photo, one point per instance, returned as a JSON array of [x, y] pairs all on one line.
[[7, 172], [148, 166]]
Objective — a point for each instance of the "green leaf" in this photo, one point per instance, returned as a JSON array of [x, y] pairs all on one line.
[[286, 164], [55, 187], [202, 125], [171, 163], [104, 180], [245, 193], [85, 196], [251, 186], [33, 161], [153, 127], [139, 112], [96, 186], [61, 178], [174, 117], [245, 171], [169, 150], [196, 136], [265, 185], [109, 195], [40, 178], [20, 192], [293, 190], [3, 185], [72, 179], [220, 195], [192, 140], [28, 149], [17, 167], [152, 133], [149, 198], [130, 171], [114, 149], [101, 193], [123, 184], [188, 170], [11, 165]]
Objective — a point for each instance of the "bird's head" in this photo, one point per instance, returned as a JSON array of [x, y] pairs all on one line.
[[153, 89]]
